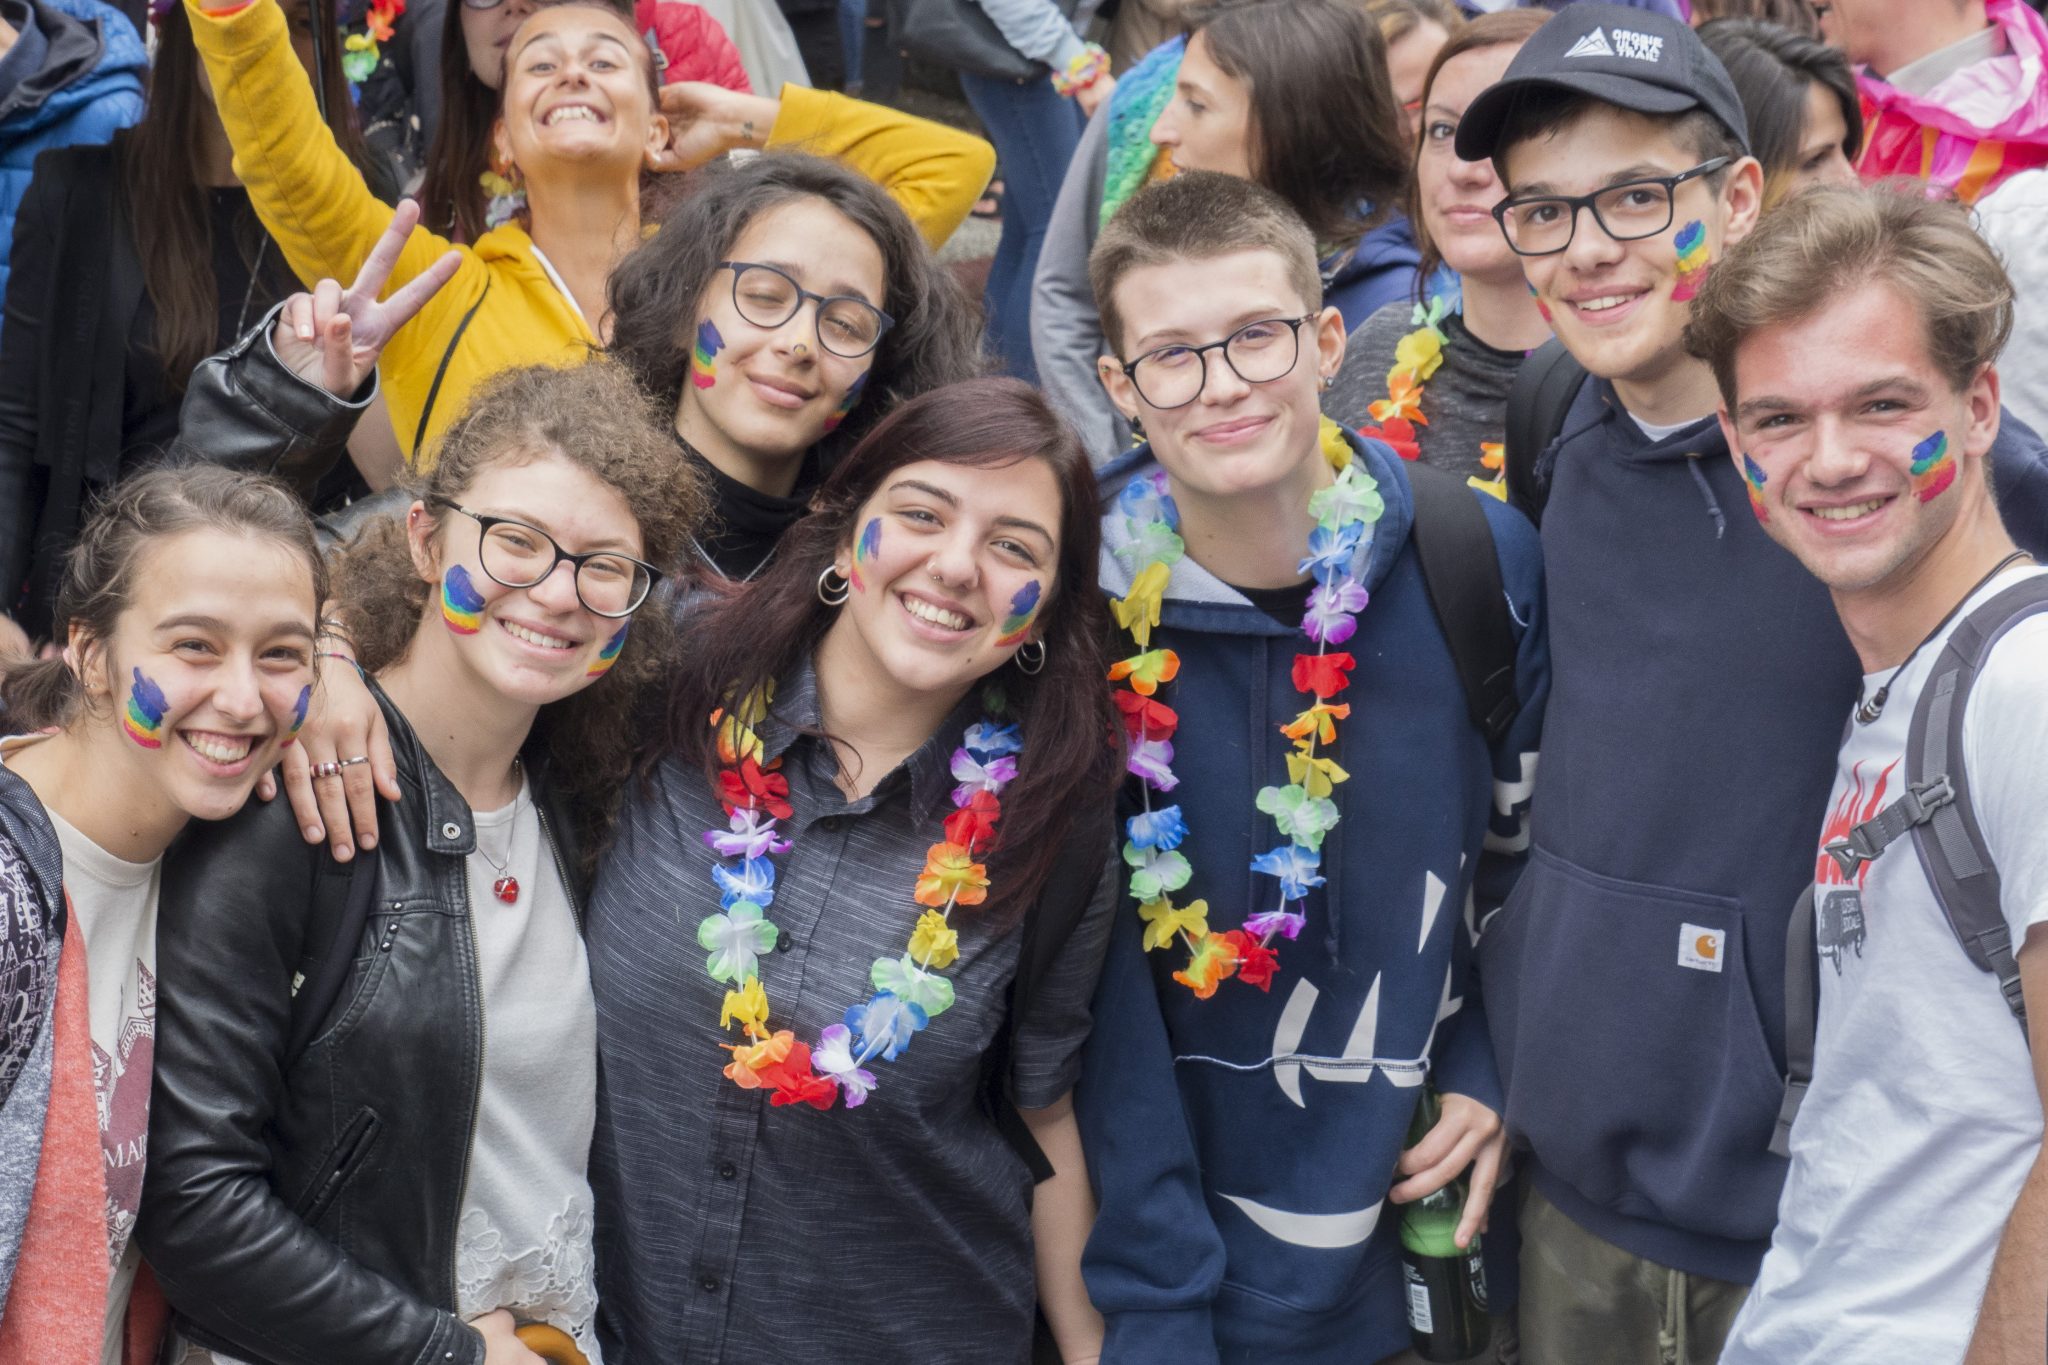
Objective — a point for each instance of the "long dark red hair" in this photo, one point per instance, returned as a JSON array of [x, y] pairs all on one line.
[[754, 633]]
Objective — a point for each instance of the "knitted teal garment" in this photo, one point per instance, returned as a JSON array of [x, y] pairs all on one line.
[[1140, 96]]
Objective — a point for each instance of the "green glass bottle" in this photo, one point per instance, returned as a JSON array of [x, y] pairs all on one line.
[[1446, 1286]]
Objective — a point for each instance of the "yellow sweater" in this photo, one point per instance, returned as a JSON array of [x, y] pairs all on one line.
[[507, 310]]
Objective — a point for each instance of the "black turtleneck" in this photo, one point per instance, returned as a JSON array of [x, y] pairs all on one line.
[[745, 523]]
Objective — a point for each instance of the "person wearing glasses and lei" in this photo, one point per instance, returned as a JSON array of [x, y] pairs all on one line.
[[1465, 345], [1291, 962], [409, 1183], [850, 923]]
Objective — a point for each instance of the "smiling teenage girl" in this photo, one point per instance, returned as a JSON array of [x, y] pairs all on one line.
[[190, 600], [911, 787], [413, 1176]]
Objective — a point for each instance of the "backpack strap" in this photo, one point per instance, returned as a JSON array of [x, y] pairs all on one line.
[[1461, 572], [419, 434], [1802, 1010], [1538, 400], [342, 905]]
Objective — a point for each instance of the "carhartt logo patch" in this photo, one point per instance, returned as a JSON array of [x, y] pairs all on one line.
[[1594, 44], [1700, 948]]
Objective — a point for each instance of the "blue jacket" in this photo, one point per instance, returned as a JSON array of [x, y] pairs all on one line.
[[73, 76], [1242, 1146], [1700, 681], [1379, 271]]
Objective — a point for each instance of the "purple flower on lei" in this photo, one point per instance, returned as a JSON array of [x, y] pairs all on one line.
[[976, 776], [833, 1057], [1333, 610], [1152, 759], [1162, 829], [752, 836], [1286, 923]]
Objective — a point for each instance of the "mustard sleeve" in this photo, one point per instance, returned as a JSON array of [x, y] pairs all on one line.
[[308, 194], [935, 172]]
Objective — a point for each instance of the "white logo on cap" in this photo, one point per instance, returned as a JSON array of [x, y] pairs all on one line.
[[1640, 47], [1594, 44]]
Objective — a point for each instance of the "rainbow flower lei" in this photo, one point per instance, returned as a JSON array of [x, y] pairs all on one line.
[[909, 992], [1302, 809], [1417, 356], [362, 51]]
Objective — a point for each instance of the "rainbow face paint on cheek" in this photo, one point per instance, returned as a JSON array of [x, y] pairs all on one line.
[[864, 551], [1934, 467], [1542, 308], [1691, 242], [848, 403], [299, 714], [609, 655], [462, 606], [144, 717], [1023, 611], [1753, 476], [704, 355]]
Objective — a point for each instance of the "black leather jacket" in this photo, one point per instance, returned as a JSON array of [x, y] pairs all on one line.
[[305, 1210]]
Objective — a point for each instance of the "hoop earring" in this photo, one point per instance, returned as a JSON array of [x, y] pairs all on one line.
[[828, 594], [1031, 658]]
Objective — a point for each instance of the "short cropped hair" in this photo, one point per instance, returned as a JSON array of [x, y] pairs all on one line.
[[1198, 216], [1543, 110], [1832, 240]]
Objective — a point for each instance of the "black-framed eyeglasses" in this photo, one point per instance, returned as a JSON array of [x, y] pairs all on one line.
[[767, 297], [1258, 353], [517, 555], [1542, 225]]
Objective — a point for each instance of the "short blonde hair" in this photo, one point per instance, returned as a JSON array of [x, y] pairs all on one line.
[[1828, 241]]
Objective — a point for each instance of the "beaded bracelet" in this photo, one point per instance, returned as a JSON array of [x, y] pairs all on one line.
[[1088, 66]]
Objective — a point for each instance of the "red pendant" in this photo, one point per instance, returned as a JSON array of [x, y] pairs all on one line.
[[506, 888]]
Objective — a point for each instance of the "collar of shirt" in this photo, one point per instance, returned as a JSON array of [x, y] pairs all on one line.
[[1922, 74], [796, 713]]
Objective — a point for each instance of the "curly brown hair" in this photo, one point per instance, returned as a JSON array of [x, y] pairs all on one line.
[[596, 417]]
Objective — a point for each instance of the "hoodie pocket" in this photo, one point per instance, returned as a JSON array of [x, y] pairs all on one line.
[[1627, 1034]]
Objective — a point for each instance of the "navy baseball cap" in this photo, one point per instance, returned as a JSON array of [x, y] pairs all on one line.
[[1632, 58]]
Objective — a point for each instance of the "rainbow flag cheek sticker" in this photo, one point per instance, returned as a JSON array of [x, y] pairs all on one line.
[[1753, 476], [1934, 467], [462, 606], [1023, 609], [609, 655], [1691, 242], [299, 712], [848, 403], [704, 355], [864, 551], [144, 718]]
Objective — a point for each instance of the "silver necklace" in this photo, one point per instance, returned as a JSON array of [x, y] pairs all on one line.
[[1867, 712], [506, 887]]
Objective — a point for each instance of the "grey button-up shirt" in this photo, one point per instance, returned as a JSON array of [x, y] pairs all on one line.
[[898, 1231]]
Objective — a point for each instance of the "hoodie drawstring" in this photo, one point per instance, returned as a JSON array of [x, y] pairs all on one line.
[[1692, 465]]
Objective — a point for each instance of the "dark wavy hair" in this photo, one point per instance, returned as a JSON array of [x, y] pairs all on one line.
[[452, 198], [1326, 133], [596, 417], [101, 567], [654, 292], [1773, 69], [746, 635]]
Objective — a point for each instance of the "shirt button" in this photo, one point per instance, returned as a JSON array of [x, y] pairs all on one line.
[[709, 1284], [783, 942], [451, 830], [728, 1171]]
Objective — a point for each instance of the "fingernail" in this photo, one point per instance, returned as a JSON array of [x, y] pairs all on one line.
[[305, 332], [344, 853], [369, 841], [314, 834]]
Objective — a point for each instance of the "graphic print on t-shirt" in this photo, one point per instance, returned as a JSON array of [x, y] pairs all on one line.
[[1839, 926], [121, 1085]]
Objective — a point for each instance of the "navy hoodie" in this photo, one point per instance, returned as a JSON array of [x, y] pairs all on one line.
[[1378, 271], [1700, 678], [1242, 1146]]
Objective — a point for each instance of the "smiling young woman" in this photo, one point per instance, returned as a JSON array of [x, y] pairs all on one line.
[[189, 604], [879, 752]]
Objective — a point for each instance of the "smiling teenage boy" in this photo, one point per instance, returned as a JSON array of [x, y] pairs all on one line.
[[1855, 342], [1306, 827], [1635, 978]]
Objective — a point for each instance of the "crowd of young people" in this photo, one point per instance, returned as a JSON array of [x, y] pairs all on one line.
[[585, 783]]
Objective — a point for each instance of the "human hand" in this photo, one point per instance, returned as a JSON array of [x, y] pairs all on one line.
[[1467, 1133], [332, 337], [501, 1346], [343, 721], [706, 121], [1095, 94]]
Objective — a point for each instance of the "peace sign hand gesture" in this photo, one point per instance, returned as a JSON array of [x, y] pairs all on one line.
[[333, 337]]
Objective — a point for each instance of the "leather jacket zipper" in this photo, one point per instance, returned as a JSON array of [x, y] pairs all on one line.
[[476, 1094]]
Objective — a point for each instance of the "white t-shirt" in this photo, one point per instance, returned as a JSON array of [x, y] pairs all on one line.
[[1923, 1117]]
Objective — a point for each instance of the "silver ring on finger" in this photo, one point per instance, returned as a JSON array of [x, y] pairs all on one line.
[[350, 762]]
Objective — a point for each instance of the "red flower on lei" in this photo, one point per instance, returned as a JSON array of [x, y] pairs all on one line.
[[1145, 718], [749, 787], [1323, 674], [974, 823]]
